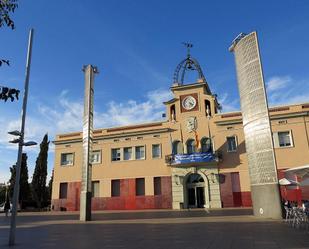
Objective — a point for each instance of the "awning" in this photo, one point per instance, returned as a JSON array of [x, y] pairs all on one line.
[[302, 171], [304, 182], [288, 182]]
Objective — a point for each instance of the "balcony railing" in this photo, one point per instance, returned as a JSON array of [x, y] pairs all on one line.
[[198, 157]]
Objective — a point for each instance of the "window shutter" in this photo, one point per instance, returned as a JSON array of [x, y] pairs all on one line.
[[276, 139], [291, 137]]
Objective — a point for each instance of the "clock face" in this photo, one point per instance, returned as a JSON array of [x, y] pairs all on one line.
[[189, 103]]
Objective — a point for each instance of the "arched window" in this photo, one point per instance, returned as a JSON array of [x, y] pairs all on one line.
[[207, 108], [172, 112], [195, 178], [177, 147], [206, 145], [191, 147]]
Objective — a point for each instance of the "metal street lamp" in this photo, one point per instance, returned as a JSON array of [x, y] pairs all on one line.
[[30, 143], [21, 143], [15, 133], [17, 140]]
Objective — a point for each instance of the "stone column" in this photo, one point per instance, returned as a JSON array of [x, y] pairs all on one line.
[[257, 129], [85, 195]]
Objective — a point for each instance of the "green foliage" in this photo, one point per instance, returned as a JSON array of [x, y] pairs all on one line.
[[2, 193], [4, 62], [6, 8], [39, 190], [24, 191]]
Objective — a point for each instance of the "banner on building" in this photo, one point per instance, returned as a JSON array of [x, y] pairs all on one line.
[[194, 158]]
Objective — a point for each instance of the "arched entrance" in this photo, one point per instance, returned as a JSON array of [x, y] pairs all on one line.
[[195, 187]]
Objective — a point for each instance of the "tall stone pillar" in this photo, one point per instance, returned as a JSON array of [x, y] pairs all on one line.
[[259, 145], [85, 195]]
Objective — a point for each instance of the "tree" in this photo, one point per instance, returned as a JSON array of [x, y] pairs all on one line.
[[24, 189], [50, 186], [39, 190], [2, 193], [6, 8]]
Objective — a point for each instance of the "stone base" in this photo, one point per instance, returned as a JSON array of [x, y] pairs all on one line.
[[266, 201], [85, 206]]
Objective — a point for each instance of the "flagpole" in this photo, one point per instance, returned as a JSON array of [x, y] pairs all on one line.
[[210, 137], [181, 137], [171, 141]]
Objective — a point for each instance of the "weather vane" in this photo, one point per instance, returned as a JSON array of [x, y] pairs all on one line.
[[188, 46]]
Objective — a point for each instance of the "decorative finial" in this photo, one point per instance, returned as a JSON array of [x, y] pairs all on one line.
[[188, 45]]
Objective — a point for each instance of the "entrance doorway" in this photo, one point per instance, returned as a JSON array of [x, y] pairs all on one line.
[[195, 191]]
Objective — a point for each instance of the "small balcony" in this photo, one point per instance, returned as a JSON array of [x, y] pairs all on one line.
[[197, 158]]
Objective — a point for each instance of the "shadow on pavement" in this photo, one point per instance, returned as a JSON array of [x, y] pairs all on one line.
[[192, 235]]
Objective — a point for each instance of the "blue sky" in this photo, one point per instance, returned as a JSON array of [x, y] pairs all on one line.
[[136, 45]]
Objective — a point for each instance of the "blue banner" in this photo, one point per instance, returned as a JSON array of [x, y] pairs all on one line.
[[194, 158]]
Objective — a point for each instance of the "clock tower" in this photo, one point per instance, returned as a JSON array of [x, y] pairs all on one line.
[[190, 119], [190, 99]]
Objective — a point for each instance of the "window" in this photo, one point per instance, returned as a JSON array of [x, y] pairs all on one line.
[[96, 156], [116, 154], [115, 188], [284, 139], [127, 153], [190, 146], [140, 186], [206, 145], [177, 147], [67, 159], [172, 113], [63, 190], [231, 144], [95, 189], [157, 185], [140, 152], [207, 108], [156, 150]]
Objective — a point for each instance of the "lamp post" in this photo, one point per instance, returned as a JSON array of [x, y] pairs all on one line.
[[21, 143]]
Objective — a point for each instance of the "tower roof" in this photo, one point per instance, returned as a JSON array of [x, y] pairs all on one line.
[[189, 64]]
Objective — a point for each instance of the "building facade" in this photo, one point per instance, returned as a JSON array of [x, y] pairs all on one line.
[[196, 158]]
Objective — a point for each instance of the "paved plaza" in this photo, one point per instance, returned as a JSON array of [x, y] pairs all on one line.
[[224, 228]]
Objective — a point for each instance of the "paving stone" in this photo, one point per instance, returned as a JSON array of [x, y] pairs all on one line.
[[220, 229]]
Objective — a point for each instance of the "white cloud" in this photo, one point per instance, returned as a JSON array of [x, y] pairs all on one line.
[[132, 112], [228, 104], [284, 90], [65, 115], [281, 90], [4, 175], [276, 83]]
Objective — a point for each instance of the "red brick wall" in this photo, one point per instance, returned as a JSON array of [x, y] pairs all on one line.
[[226, 191], [246, 199], [126, 200], [234, 198]]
